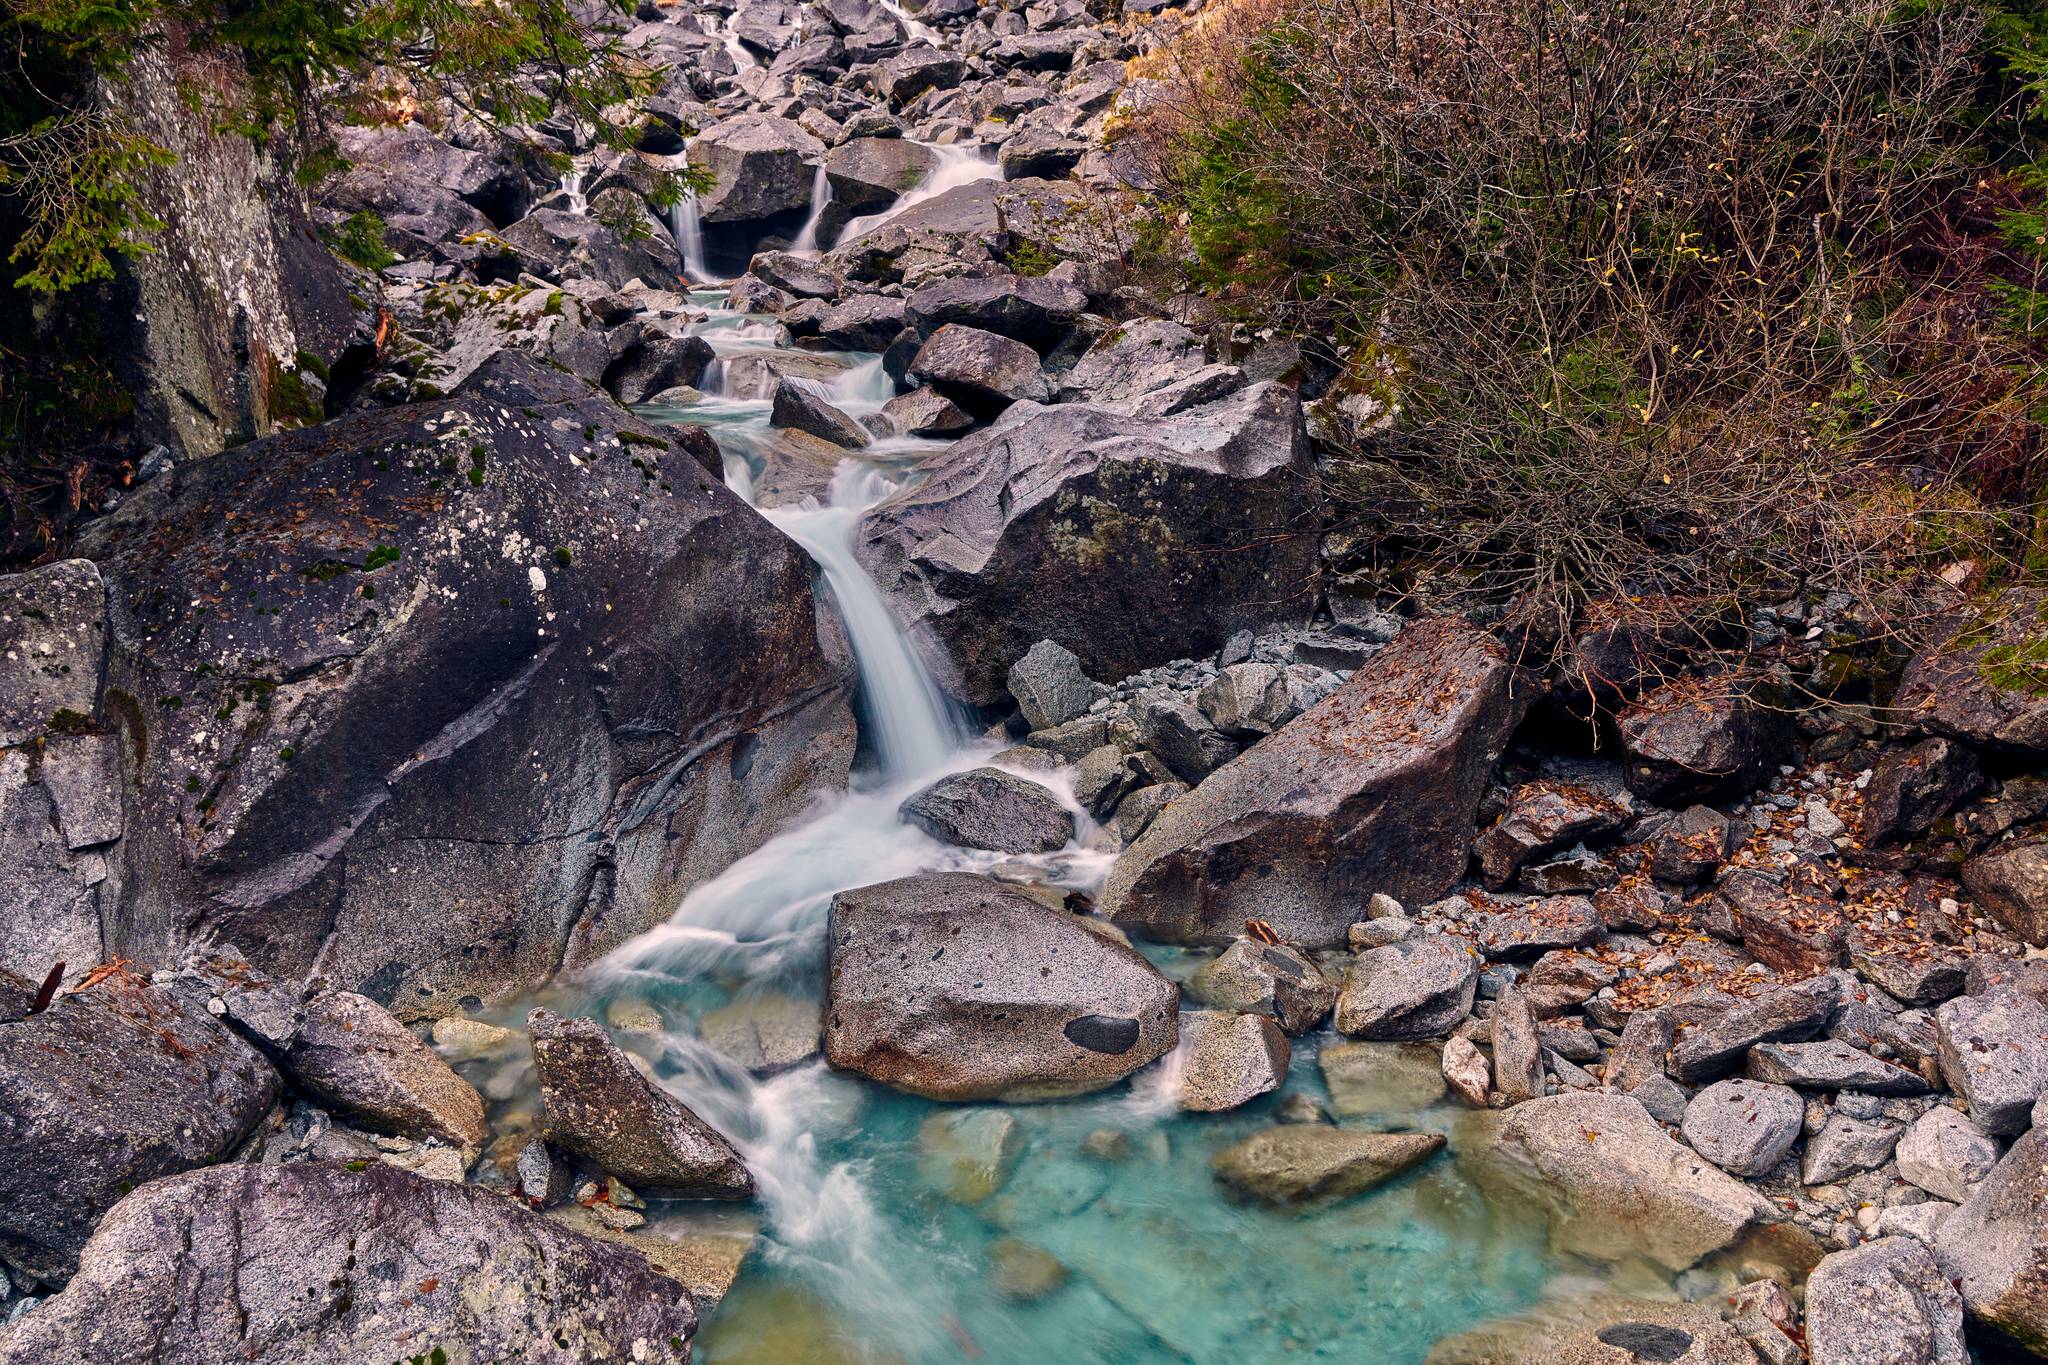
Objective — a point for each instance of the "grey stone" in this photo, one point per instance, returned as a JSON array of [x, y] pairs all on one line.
[[1230, 1059], [1883, 1303], [1371, 791], [981, 371], [1615, 1183], [1049, 685], [1945, 1154], [1994, 1053], [352, 1057], [1390, 1082], [1745, 1127], [328, 1264], [1996, 1247], [1248, 700], [798, 407], [1832, 1065], [991, 809], [1789, 1014], [1182, 737], [115, 1084], [1267, 978], [959, 988], [1517, 1049], [762, 167], [1845, 1146], [1299, 1163], [1406, 991], [596, 1105]]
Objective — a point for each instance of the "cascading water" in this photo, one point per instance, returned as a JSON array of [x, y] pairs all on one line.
[[859, 1259], [686, 225], [572, 189], [954, 165], [737, 50], [922, 32], [806, 243]]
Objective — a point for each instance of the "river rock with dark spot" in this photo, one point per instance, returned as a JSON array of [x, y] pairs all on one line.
[[1994, 1053], [597, 1105], [955, 987], [989, 808], [448, 697], [1129, 543], [312, 1263], [1372, 790], [112, 1086]]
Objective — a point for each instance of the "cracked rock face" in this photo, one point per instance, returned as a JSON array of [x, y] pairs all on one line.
[[313, 1263], [434, 701], [955, 987]]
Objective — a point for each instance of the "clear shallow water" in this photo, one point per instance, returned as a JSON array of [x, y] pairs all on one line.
[[874, 1250]]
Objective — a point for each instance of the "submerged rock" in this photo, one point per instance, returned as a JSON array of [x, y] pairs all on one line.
[[112, 1086], [1616, 1183], [991, 809], [1127, 542], [1372, 790], [597, 1105], [1299, 1162], [449, 697], [955, 987], [311, 1263]]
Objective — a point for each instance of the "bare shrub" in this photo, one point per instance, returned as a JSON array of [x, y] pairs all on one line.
[[1671, 298]]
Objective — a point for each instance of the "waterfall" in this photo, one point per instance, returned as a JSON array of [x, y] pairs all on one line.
[[821, 194], [686, 225], [923, 33], [955, 165], [908, 718], [736, 49], [572, 189]]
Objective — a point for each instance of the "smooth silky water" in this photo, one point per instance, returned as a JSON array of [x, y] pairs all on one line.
[[863, 1255]]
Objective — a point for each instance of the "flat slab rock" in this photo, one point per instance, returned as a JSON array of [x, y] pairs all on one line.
[[1296, 1163], [1371, 790], [312, 1264], [1602, 1329], [955, 987]]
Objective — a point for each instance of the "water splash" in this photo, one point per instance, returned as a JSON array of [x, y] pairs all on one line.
[[921, 32], [572, 189], [686, 225]]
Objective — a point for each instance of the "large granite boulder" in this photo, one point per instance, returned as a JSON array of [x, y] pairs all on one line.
[[981, 371], [868, 173], [1128, 542], [422, 187], [2011, 882], [955, 987], [597, 1105], [61, 771], [1027, 308], [763, 166], [617, 243], [1420, 988], [1616, 1184], [1372, 790], [1995, 1247], [116, 1083], [434, 701], [1994, 1053], [313, 1263], [1601, 1329]]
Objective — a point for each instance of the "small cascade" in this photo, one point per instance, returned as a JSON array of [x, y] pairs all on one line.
[[572, 189], [923, 33], [956, 165], [862, 390], [806, 242], [686, 225], [737, 50], [913, 728]]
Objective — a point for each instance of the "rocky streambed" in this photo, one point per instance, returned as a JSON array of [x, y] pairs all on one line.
[[807, 774]]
